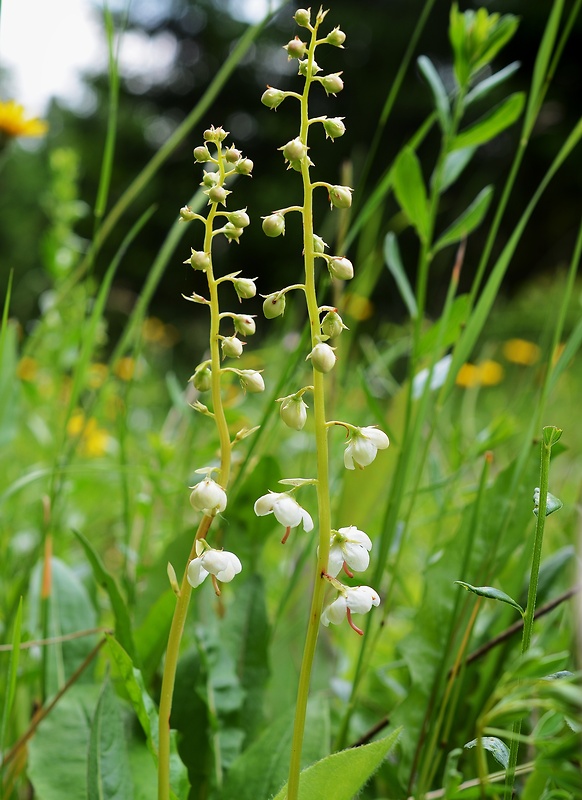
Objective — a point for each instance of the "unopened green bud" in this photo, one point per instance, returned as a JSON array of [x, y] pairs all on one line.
[[251, 380], [318, 244], [186, 214], [231, 347], [239, 218], [336, 37], [202, 378], [295, 48], [244, 166], [334, 127], [244, 324], [244, 287], [215, 134], [199, 260], [293, 411], [332, 324], [232, 155], [218, 194], [322, 357], [274, 225], [232, 232], [332, 83], [303, 17], [340, 196], [304, 68], [201, 154], [272, 97], [274, 305], [340, 267], [210, 179], [294, 150]]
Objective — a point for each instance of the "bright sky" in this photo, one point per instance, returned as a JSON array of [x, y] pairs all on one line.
[[46, 44]]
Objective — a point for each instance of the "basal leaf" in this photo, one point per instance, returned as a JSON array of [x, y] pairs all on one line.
[[492, 124], [342, 775], [468, 221], [410, 190], [108, 769], [394, 264], [492, 594]]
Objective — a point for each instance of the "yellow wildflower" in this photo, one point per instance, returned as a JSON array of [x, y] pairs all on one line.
[[157, 332], [94, 440], [488, 373], [358, 307], [27, 368], [97, 375], [13, 123], [125, 368], [520, 351]]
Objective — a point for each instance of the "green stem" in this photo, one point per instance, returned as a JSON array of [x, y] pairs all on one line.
[[551, 434], [323, 502]]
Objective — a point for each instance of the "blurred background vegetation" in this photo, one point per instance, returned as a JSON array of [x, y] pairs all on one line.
[[189, 42]]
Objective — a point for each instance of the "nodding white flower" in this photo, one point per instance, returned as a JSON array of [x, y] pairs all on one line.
[[220, 563], [363, 445], [350, 549], [286, 509], [208, 496], [356, 600]]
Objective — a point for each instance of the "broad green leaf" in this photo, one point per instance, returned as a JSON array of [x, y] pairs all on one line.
[[410, 190], [342, 775], [492, 594], [263, 767], [11, 676], [492, 124], [498, 749], [486, 86], [438, 90], [58, 750], [394, 264], [454, 164], [108, 769], [468, 221], [122, 622]]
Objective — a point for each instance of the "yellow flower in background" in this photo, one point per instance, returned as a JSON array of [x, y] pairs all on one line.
[[94, 440], [125, 368], [27, 368], [14, 124], [488, 373], [154, 331], [520, 351], [97, 375]]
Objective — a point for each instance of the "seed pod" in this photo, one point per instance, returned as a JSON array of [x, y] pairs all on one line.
[[294, 150], [201, 154], [274, 305], [334, 127], [215, 134], [337, 37], [244, 287], [240, 219], [244, 324], [232, 155], [202, 378], [274, 225], [272, 98], [340, 196], [295, 48], [303, 17], [199, 260], [332, 83], [244, 166]]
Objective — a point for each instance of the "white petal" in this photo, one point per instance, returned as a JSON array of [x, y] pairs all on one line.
[[222, 564], [196, 572], [377, 437], [356, 556], [363, 451], [335, 612], [288, 511], [352, 534], [361, 599], [348, 458], [307, 521], [336, 560], [264, 504]]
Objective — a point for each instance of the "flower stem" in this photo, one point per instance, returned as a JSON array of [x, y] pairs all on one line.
[[323, 502]]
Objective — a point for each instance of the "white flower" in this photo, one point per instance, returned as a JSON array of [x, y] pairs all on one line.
[[220, 563], [363, 445], [251, 380], [286, 509], [209, 497], [357, 600], [351, 547]]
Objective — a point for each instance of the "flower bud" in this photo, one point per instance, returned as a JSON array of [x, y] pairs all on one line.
[[208, 496], [322, 357], [294, 150], [332, 324], [186, 214], [334, 127], [336, 37], [341, 268], [232, 155], [244, 166], [303, 17], [201, 154], [218, 194], [231, 347], [240, 219], [332, 83], [251, 380], [202, 378], [215, 134], [232, 232], [244, 324], [244, 287], [274, 225], [295, 48], [318, 244], [340, 196], [274, 305], [210, 179], [199, 260], [304, 67], [293, 412], [272, 97]]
